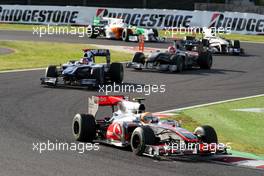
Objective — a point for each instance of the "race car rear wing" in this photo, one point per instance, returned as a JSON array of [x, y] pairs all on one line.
[[110, 100], [95, 101]]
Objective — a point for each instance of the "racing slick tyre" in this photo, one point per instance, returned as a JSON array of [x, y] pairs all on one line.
[[205, 42], [207, 134], [117, 72], [205, 61], [141, 137], [94, 32], [189, 37], [99, 76], [139, 57], [125, 35], [84, 127], [236, 44], [156, 33], [51, 71], [177, 64]]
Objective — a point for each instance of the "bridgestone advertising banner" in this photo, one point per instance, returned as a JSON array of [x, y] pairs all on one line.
[[243, 23]]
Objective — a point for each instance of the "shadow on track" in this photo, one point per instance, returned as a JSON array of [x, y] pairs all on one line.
[[126, 86], [193, 71]]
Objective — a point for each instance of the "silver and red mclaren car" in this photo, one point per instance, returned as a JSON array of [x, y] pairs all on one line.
[[130, 125]]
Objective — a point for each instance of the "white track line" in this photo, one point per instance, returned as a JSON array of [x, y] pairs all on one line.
[[212, 103], [252, 42]]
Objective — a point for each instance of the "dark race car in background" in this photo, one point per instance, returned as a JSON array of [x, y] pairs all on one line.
[[85, 72], [130, 126], [184, 54]]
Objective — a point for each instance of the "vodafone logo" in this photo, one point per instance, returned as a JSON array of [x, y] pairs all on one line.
[[117, 131]]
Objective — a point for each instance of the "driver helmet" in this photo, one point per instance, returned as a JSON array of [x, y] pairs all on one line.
[[88, 58], [84, 61], [148, 117], [171, 49]]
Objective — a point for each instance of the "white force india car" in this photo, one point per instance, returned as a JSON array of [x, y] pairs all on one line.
[[220, 45], [130, 126], [116, 28]]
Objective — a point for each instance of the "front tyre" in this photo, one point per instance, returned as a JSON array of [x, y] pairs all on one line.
[[205, 61], [51, 72], [139, 57], [177, 64], [236, 44], [207, 134], [84, 127], [141, 137]]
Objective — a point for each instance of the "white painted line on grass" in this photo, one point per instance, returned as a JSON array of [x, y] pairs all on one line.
[[256, 110], [208, 104], [35, 69], [22, 70]]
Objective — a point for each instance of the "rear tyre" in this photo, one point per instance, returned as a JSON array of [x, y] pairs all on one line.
[[188, 37], [205, 61], [141, 137], [84, 127], [99, 76], [117, 72], [207, 134], [205, 42], [156, 33], [51, 71], [125, 36]]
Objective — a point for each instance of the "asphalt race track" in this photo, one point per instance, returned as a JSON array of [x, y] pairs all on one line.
[[30, 113]]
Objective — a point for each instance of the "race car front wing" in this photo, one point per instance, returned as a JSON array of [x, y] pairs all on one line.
[[171, 150], [60, 82]]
